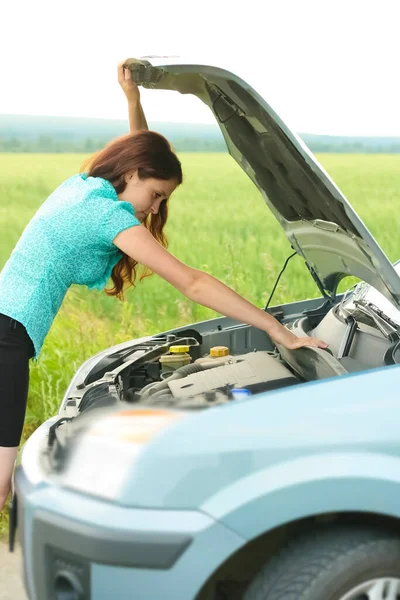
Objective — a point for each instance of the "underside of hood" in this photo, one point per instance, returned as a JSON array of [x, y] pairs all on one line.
[[319, 222]]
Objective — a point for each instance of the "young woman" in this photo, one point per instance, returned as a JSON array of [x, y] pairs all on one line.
[[98, 224]]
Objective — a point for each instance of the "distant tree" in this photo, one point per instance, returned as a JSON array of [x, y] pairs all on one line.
[[45, 143]]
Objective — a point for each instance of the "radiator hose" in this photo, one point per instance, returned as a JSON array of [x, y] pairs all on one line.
[[159, 386]]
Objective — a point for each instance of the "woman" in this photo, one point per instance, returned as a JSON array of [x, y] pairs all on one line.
[[98, 224]]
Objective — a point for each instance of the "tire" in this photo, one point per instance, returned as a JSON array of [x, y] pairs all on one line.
[[330, 564]]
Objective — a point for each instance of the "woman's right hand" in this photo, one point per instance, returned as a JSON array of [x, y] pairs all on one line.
[[129, 87]]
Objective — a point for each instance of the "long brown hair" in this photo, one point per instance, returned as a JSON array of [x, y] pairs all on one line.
[[151, 155]]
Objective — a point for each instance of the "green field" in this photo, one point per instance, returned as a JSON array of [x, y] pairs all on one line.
[[218, 223]]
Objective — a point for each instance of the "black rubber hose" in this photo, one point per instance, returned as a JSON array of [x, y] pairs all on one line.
[[184, 371]]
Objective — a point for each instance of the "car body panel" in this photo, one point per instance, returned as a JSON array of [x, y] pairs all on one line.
[[366, 483], [214, 450], [81, 511], [302, 196]]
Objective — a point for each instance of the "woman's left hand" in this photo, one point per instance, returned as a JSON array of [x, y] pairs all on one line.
[[129, 87], [305, 341], [281, 335]]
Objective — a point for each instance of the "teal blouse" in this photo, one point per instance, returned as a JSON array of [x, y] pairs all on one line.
[[68, 241]]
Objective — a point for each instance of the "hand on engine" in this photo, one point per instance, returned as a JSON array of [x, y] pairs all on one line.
[[289, 340]]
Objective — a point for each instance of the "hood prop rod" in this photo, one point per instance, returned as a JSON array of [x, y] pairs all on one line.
[[277, 281]]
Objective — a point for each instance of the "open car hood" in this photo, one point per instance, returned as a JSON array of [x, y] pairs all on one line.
[[318, 221]]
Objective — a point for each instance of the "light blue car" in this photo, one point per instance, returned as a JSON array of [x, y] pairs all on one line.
[[206, 463]]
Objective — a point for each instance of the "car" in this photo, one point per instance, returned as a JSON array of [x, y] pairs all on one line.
[[207, 462]]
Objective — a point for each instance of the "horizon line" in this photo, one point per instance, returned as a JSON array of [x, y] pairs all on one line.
[[215, 125]]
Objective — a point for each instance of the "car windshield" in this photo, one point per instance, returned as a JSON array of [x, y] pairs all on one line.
[[367, 295]]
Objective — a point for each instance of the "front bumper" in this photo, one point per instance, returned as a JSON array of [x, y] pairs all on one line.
[[81, 547]]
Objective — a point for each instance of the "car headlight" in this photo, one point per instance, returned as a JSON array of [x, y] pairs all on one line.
[[105, 453]]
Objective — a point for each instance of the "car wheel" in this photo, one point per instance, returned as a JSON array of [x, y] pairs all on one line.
[[351, 563]]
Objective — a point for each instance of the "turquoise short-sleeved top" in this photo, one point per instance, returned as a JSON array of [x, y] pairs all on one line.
[[68, 241]]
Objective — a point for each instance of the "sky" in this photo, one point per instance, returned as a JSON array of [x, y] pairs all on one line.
[[327, 67]]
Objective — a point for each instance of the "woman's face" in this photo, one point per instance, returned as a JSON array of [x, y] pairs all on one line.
[[146, 195]]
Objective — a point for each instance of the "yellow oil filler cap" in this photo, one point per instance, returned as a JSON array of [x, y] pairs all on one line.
[[219, 351], [179, 349]]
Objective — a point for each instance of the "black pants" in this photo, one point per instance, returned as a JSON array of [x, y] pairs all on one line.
[[16, 349]]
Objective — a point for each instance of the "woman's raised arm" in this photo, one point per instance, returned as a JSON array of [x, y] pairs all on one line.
[[137, 120]]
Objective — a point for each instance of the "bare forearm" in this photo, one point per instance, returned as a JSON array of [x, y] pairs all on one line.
[[214, 294], [137, 119], [144, 122]]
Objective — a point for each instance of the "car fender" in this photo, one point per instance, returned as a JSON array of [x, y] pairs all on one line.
[[307, 486]]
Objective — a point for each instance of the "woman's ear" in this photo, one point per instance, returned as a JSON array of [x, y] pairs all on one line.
[[130, 175]]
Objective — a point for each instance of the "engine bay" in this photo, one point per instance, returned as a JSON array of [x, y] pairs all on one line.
[[194, 368], [210, 365]]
